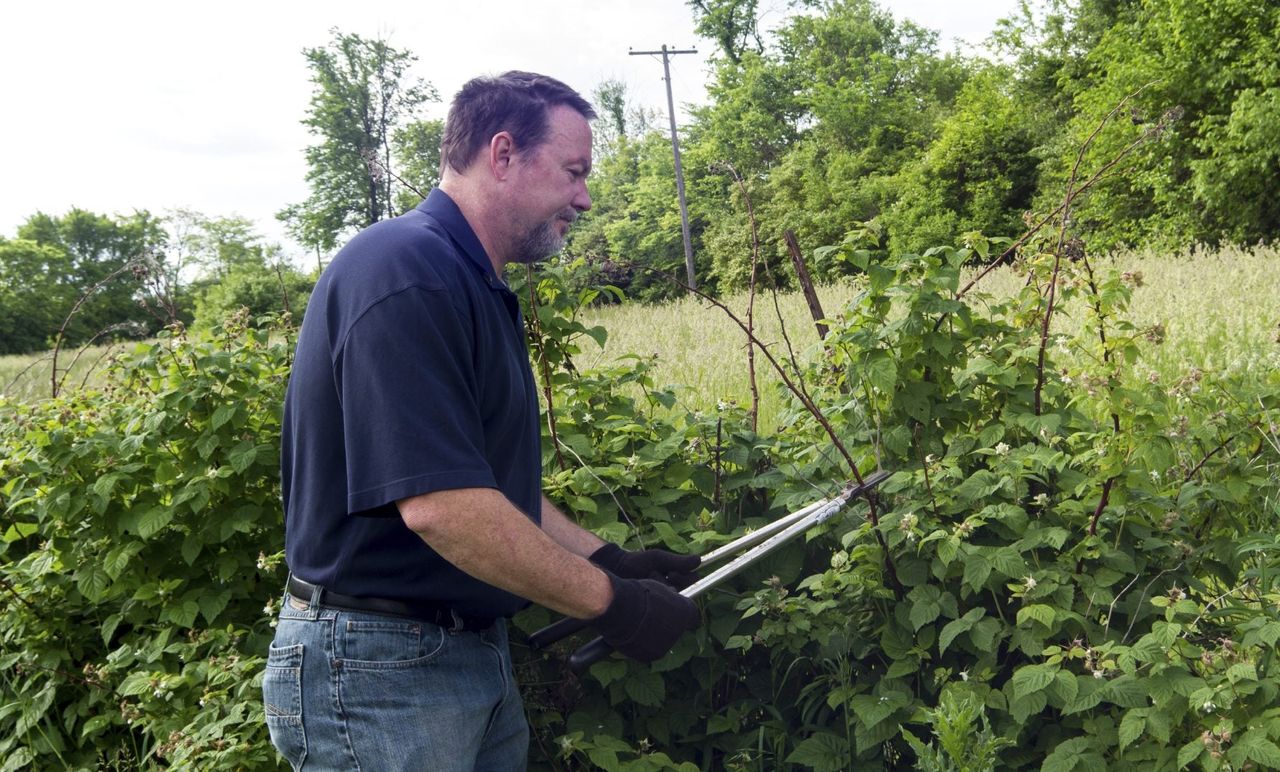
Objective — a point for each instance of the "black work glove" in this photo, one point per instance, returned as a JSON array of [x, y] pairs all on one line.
[[645, 618], [660, 565]]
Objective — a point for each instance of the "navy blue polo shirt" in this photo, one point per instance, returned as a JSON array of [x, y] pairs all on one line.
[[411, 375]]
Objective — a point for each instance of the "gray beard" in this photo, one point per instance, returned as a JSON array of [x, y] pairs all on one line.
[[540, 243]]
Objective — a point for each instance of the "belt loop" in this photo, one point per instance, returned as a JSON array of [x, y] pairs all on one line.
[[458, 623], [313, 603]]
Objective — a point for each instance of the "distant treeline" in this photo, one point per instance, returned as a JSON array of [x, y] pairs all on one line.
[[840, 120], [845, 117]]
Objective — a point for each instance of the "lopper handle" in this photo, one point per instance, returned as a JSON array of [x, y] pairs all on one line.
[[589, 654], [555, 631]]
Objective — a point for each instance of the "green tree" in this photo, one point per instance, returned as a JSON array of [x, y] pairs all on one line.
[[732, 24], [363, 94], [110, 262], [29, 294], [417, 155], [979, 174], [1214, 173]]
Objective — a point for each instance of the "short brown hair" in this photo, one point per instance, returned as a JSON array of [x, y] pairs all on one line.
[[515, 102]]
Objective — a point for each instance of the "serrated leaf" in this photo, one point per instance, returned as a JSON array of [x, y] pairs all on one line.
[[1242, 671], [1127, 691], [1065, 687], [1190, 752], [92, 582], [821, 752], [984, 633], [870, 709], [191, 546], [19, 759], [1030, 679], [646, 688], [606, 671], [153, 521], [1023, 708], [1066, 755], [1258, 748], [1009, 562], [222, 415], [104, 484], [980, 485], [94, 724], [182, 614], [134, 683], [1037, 612], [976, 571], [1159, 726], [1132, 726], [880, 371], [958, 626], [117, 559], [242, 455], [923, 612], [212, 604], [109, 626]]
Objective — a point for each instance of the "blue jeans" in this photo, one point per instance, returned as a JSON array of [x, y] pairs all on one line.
[[350, 690]]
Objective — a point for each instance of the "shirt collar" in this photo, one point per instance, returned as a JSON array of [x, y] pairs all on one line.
[[442, 208]]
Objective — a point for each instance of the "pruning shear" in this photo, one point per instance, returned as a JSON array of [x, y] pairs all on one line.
[[757, 544]]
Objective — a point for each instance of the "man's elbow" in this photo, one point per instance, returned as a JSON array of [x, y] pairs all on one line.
[[425, 515]]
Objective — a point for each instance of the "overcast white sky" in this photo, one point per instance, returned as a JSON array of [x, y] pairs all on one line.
[[148, 104]]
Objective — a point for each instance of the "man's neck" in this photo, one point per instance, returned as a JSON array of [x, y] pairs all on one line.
[[477, 210]]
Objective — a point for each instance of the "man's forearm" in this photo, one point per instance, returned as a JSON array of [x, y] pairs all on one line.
[[484, 535], [567, 533]]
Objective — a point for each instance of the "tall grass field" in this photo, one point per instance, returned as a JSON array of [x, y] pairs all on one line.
[[1219, 310]]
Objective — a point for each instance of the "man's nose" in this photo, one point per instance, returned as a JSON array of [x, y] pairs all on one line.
[[582, 201]]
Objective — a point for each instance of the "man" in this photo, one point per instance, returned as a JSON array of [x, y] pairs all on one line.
[[415, 522]]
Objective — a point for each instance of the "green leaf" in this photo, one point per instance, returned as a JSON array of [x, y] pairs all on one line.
[[21, 758], [19, 531], [1037, 612], [135, 683], [646, 688], [821, 752], [1030, 679], [1242, 671], [118, 557], [881, 372], [94, 725], [1066, 755], [976, 571], [958, 626], [1190, 752], [109, 626], [212, 604], [243, 455], [980, 485], [1132, 726], [181, 614], [606, 671], [924, 612], [153, 521], [92, 581], [1258, 748], [222, 414]]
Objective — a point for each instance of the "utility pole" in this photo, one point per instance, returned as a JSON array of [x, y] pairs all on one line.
[[675, 150]]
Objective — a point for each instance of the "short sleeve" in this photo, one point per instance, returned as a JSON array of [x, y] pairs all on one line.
[[406, 379]]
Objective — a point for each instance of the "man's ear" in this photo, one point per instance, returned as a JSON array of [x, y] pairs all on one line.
[[502, 155]]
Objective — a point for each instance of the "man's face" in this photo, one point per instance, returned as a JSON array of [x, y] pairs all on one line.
[[551, 187]]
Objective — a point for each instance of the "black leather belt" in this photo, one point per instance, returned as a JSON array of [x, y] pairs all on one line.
[[426, 612]]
